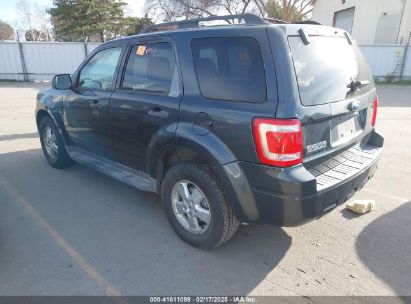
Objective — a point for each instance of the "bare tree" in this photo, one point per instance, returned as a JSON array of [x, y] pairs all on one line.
[[33, 20], [169, 10], [236, 7]]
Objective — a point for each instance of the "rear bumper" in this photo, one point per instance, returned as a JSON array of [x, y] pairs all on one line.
[[293, 196]]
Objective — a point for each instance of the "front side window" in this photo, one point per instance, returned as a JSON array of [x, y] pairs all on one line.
[[230, 69], [152, 68], [98, 73]]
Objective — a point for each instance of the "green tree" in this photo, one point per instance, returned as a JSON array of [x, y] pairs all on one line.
[[6, 31], [97, 20], [289, 10], [133, 25], [274, 9]]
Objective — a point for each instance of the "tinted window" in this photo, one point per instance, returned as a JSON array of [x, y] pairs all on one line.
[[229, 69], [98, 73], [152, 67], [325, 67]]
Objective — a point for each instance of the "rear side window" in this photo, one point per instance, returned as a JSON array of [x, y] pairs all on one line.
[[152, 68], [325, 68], [229, 69]]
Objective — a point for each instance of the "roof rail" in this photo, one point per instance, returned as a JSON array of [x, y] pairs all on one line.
[[272, 20], [248, 19], [308, 22]]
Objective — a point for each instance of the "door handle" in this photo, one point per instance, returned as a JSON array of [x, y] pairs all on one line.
[[94, 103], [157, 112]]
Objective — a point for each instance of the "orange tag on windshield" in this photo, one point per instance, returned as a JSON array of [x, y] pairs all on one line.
[[141, 50]]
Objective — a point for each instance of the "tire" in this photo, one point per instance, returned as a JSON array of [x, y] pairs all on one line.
[[222, 223], [54, 149]]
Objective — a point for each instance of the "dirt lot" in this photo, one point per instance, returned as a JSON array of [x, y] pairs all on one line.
[[79, 232]]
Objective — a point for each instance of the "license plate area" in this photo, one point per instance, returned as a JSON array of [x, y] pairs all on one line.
[[344, 128]]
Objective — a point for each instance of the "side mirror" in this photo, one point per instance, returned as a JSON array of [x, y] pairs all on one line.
[[61, 82]]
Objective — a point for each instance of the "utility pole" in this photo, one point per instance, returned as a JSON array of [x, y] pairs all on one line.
[[23, 62], [404, 60], [85, 47], [402, 15]]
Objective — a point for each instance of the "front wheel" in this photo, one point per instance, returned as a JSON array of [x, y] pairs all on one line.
[[52, 144], [197, 207]]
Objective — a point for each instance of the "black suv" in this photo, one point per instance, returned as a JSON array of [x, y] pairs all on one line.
[[261, 121]]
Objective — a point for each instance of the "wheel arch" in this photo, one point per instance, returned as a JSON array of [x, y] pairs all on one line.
[[40, 115], [185, 150], [174, 154], [188, 146], [45, 112]]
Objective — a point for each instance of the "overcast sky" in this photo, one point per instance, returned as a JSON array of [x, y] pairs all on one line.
[[8, 7]]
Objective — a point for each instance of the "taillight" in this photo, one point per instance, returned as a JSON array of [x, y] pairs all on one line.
[[374, 111], [279, 142]]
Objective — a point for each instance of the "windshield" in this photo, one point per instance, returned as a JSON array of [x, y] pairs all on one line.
[[325, 68]]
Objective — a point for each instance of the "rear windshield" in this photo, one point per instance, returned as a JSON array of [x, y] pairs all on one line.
[[325, 67]]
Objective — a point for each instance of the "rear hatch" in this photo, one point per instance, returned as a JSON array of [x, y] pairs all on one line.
[[337, 95]]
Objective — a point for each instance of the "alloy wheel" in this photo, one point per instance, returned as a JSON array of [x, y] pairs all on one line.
[[191, 207]]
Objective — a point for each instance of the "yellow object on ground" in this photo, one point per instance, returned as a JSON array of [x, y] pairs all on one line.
[[361, 206]]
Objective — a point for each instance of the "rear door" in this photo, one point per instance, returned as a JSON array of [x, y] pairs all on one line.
[[229, 78], [145, 101], [336, 92]]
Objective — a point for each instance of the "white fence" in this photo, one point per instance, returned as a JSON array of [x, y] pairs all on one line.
[[42, 60], [388, 61]]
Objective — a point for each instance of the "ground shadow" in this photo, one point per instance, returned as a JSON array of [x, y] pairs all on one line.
[[19, 136], [349, 215], [24, 84], [384, 246], [124, 234]]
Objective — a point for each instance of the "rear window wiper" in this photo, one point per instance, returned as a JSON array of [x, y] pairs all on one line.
[[356, 85], [304, 37]]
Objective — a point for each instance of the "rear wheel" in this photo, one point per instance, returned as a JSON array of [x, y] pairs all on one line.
[[197, 207], [52, 144]]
